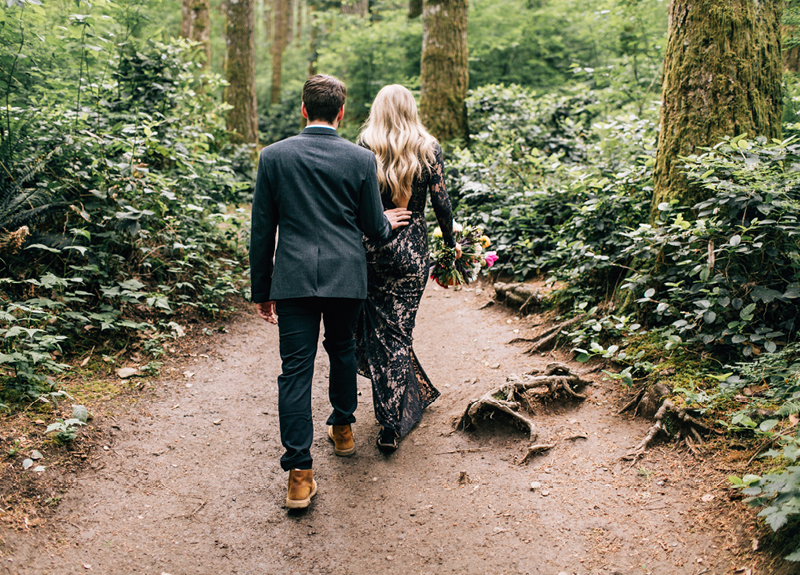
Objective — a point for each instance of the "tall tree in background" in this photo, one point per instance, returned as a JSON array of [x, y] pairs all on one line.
[[357, 7], [300, 9], [313, 39], [444, 74], [240, 69], [722, 77], [280, 21], [790, 36], [196, 25]]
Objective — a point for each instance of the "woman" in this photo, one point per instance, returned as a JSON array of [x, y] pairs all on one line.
[[410, 165]]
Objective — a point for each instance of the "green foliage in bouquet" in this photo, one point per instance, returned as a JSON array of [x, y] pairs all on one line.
[[447, 270]]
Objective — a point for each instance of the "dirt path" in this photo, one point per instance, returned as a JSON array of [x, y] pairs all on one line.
[[191, 484]]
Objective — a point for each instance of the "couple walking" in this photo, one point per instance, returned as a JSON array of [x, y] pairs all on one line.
[[352, 250]]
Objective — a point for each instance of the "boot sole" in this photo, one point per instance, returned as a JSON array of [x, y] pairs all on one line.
[[336, 450], [301, 503]]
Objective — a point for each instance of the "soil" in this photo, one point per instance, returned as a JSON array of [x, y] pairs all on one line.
[[188, 482]]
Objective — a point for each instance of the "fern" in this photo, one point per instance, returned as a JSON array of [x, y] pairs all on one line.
[[25, 206]]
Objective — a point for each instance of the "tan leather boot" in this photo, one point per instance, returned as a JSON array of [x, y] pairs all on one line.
[[302, 488], [343, 443]]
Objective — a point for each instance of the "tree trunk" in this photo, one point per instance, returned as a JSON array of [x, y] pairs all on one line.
[[414, 9], [357, 7], [195, 25], [268, 19], [241, 70], [722, 77], [444, 74], [791, 46], [279, 19], [312, 42], [289, 23], [300, 7], [791, 59]]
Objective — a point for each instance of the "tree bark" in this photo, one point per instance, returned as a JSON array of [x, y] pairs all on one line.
[[300, 7], [196, 25], [722, 77], [357, 7], [268, 19], [444, 74], [289, 23], [312, 41], [280, 9], [414, 9], [240, 70]]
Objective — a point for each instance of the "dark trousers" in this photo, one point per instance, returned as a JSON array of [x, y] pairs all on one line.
[[298, 326]]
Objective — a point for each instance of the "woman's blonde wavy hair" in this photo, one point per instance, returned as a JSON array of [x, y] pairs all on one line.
[[401, 144]]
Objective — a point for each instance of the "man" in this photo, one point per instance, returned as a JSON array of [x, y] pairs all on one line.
[[321, 192]]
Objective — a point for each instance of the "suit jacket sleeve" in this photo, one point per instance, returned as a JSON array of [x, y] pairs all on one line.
[[264, 225], [370, 212]]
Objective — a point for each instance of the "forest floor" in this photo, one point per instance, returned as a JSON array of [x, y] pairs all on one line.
[[186, 480]]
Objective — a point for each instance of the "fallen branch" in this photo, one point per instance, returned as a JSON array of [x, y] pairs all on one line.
[[473, 450], [536, 449]]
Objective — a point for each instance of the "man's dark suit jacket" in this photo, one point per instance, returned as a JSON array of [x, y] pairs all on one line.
[[322, 192]]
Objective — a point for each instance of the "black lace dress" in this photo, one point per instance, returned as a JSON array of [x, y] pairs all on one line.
[[397, 271]]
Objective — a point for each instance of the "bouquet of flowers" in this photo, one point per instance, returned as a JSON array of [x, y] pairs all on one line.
[[446, 270]]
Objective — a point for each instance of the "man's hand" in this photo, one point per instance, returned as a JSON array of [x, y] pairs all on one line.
[[398, 217], [266, 311], [458, 251]]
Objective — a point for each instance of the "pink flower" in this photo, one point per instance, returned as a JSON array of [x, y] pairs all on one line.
[[491, 257]]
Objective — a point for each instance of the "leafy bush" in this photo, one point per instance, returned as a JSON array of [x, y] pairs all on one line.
[[551, 185], [113, 199], [729, 278]]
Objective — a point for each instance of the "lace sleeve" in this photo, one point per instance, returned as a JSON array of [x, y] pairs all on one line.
[[440, 200]]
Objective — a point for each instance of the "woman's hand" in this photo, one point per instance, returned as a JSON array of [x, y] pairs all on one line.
[[398, 217], [266, 311], [458, 251]]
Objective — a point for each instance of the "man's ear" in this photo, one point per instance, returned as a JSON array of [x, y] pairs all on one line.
[[340, 115], [303, 110]]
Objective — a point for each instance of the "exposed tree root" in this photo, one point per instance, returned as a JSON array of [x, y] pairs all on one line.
[[518, 295], [542, 447], [557, 380], [548, 339], [691, 426]]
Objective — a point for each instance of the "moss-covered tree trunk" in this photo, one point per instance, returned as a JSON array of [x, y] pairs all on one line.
[[196, 25], [722, 77], [280, 9], [414, 9], [240, 70], [444, 74]]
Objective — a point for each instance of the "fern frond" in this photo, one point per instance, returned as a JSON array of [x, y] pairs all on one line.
[[29, 217], [32, 168]]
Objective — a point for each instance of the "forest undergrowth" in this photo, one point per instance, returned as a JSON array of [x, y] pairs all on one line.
[[696, 310], [123, 220]]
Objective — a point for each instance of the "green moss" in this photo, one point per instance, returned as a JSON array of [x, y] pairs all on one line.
[[722, 77]]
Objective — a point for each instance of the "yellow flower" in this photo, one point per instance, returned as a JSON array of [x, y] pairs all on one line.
[[485, 241], [437, 233]]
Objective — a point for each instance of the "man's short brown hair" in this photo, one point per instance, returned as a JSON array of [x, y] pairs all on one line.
[[323, 96]]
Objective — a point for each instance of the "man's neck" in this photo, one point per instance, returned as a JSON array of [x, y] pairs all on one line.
[[321, 124]]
